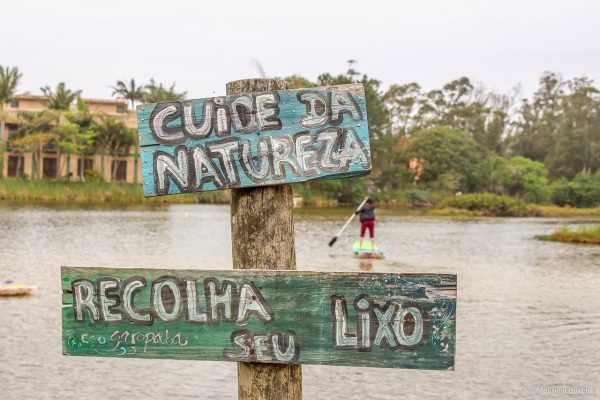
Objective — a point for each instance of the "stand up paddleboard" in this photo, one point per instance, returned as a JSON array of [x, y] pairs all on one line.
[[367, 250]]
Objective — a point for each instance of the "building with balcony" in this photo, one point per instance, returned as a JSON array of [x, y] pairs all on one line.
[[54, 165]]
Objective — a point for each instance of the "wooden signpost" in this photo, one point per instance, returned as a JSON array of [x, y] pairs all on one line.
[[285, 317], [255, 140]]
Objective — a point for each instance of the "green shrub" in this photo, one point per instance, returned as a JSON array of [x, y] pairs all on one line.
[[526, 179], [93, 176], [583, 191], [418, 198], [488, 204]]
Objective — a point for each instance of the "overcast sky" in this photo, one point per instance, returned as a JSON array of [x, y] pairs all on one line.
[[202, 45]]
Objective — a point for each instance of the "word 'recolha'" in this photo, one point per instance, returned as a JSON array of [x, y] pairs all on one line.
[[171, 299]]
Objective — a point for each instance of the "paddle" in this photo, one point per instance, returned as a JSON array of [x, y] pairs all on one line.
[[332, 241]]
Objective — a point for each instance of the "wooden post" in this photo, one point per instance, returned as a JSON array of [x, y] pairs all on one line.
[[262, 233]]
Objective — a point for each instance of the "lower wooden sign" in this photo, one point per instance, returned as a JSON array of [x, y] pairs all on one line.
[[355, 319]]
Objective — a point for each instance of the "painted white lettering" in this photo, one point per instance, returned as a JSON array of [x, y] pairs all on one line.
[[384, 331], [316, 110], [251, 301], [267, 110], [364, 320], [244, 119], [179, 172], [224, 151], [341, 103], [283, 152], [214, 299], [105, 285], [83, 298], [342, 337], [206, 171], [261, 347], [290, 353], [398, 325], [328, 159], [159, 121], [352, 151], [174, 300], [192, 304], [204, 128], [306, 155], [128, 292]]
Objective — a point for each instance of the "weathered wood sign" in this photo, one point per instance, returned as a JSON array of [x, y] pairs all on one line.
[[254, 139], [355, 319]]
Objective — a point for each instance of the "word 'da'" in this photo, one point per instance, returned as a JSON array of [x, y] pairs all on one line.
[[254, 139]]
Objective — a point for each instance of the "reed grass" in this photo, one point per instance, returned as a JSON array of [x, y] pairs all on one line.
[[94, 192], [586, 235]]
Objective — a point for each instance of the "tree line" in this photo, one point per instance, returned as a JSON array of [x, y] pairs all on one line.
[[463, 137]]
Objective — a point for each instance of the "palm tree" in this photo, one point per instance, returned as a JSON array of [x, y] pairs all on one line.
[[155, 93], [76, 133], [62, 98], [9, 81], [130, 92], [113, 137]]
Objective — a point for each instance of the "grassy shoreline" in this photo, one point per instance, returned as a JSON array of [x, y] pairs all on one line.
[[589, 235], [468, 206], [22, 190], [547, 211]]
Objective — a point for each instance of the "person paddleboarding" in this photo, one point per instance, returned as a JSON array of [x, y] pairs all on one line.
[[367, 221], [366, 209]]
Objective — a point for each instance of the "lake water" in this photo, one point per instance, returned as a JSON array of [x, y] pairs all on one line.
[[528, 311]]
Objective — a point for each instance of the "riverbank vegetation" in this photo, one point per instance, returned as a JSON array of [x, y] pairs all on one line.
[[585, 235], [95, 192], [410, 202]]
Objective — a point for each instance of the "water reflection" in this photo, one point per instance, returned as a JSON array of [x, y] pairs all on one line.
[[365, 265]]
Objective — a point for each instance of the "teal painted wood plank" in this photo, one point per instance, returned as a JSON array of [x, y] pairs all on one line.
[[256, 139], [354, 319]]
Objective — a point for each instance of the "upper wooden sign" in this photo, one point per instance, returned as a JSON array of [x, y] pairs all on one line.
[[254, 139], [356, 319]]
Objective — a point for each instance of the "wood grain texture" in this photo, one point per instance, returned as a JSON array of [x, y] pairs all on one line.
[[302, 304], [265, 137], [262, 232]]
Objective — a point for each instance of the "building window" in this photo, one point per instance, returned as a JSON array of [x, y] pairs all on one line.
[[83, 165], [50, 167], [119, 170], [15, 165], [11, 127], [121, 109], [14, 103], [50, 146]]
